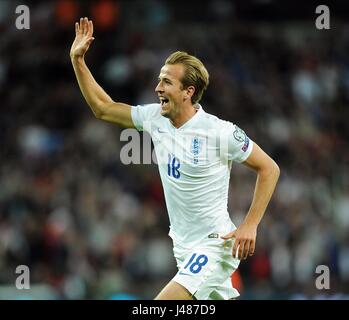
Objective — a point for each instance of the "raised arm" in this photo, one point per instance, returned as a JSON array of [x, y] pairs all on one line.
[[102, 106]]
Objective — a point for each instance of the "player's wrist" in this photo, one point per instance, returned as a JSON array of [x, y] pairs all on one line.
[[76, 58], [251, 222]]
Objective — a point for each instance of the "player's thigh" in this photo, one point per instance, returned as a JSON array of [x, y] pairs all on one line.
[[174, 291]]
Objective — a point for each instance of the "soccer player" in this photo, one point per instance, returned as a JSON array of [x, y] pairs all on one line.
[[195, 151]]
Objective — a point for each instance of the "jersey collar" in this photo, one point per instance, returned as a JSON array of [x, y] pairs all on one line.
[[191, 121]]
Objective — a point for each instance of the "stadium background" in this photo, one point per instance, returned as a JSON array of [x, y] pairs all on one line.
[[89, 227]]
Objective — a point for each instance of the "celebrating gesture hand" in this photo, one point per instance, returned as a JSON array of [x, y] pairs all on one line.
[[83, 38]]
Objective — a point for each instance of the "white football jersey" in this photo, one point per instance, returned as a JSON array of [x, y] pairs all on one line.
[[194, 163]]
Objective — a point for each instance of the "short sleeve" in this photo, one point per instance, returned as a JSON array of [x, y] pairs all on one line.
[[239, 144], [144, 115]]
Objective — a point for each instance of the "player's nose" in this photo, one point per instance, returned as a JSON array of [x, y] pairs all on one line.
[[159, 88]]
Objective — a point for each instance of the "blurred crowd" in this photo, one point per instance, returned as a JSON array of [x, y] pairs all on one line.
[[90, 227]]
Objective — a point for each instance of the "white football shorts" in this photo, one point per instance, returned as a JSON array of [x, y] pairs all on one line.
[[205, 270]]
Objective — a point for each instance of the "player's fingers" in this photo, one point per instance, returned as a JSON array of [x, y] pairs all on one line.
[[236, 247], [81, 27], [89, 41], [229, 235], [90, 28], [84, 26], [246, 250], [252, 247], [240, 250], [76, 27]]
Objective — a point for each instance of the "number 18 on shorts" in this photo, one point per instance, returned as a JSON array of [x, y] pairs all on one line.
[[206, 272]]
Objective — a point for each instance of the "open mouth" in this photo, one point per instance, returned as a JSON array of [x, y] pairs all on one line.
[[163, 101]]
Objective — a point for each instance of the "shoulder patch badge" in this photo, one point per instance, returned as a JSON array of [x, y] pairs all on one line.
[[241, 136]]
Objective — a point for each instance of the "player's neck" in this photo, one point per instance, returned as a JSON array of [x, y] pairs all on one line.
[[184, 115]]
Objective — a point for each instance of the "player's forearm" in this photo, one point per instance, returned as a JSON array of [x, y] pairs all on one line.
[[93, 93], [265, 185]]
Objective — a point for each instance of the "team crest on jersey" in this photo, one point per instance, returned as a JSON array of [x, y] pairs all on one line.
[[196, 146], [241, 136]]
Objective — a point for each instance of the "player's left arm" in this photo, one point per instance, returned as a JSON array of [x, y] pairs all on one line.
[[268, 173]]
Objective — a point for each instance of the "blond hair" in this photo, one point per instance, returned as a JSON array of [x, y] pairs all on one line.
[[195, 73]]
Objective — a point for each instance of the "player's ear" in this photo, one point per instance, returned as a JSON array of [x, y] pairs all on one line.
[[190, 92]]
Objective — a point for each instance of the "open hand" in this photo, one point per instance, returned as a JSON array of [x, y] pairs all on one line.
[[83, 38]]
